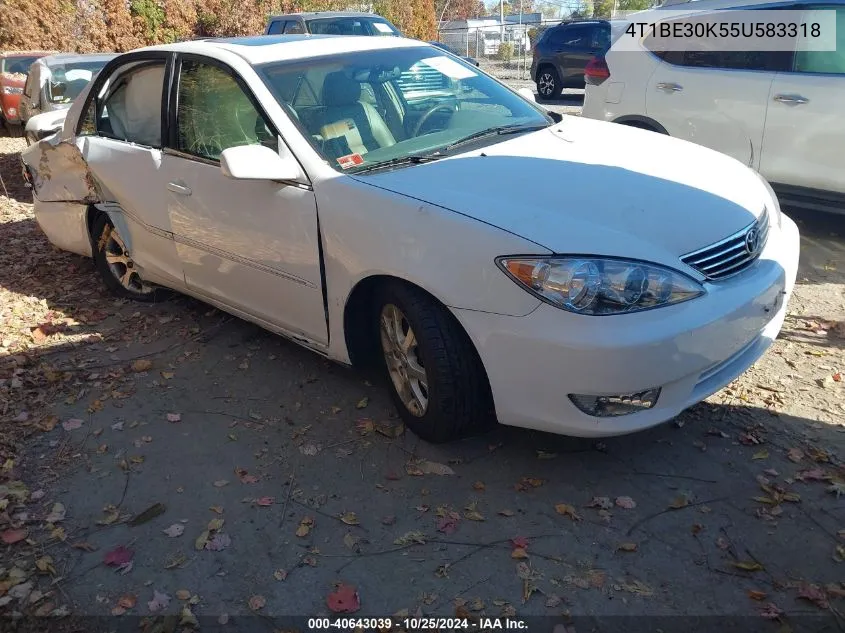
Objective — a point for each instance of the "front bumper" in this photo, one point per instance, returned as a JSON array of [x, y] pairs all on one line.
[[690, 350]]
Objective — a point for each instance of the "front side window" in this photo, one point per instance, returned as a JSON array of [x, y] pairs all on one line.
[[364, 108], [214, 113], [130, 108], [827, 62]]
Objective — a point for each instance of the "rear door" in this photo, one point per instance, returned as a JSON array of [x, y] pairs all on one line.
[[120, 137], [805, 127], [573, 49]]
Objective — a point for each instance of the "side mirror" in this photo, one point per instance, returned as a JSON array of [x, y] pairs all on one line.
[[257, 162], [528, 94]]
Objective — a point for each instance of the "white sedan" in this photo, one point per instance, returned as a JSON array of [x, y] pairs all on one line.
[[497, 262]]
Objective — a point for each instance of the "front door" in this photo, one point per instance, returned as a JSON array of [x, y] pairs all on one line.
[[251, 245]]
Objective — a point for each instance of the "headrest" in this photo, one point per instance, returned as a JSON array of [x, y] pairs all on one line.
[[340, 90]]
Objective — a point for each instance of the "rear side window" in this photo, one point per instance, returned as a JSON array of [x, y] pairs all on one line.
[[729, 60], [130, 109], [276, 27], [338, 26], [577, 36], [294, 27]]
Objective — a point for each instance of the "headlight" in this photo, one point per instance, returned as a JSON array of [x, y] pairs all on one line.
[[12, 90], [600, 286]]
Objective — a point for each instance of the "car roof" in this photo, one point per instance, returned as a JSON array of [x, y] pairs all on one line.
[[69, 58], [24, 53], [258, 49], [328, 14]]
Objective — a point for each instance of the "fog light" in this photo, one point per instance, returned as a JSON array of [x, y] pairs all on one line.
[[611, 406]]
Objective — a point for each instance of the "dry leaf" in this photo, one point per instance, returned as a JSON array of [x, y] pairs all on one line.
[[756, 595], [344, 599], [519, 553], [183, 594], [795, 455], [681, 501], [72, 424], [265, 501], [478, 485], [127, 601], [142, 364], [201, 541], [305, 527], [627, 547], [626, 502], [349, 518], [747, 565], [567, 510], [218, 542], [14, 536], [220, 483], [433, 468], [216, 524], [118, 556], [604, 503], [159, 601], [814, 594], [764, 454], [363, 402], [471, 513], [506, 513], [280, 574], [174, 417], [257, 602]]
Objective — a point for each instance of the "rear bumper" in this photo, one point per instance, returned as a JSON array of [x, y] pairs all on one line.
[[65, 225], [689, 351]]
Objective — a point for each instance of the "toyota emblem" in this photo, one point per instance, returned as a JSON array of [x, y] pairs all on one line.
[[752, 241]]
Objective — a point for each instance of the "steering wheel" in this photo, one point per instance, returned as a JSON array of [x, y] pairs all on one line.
[[428, 114]]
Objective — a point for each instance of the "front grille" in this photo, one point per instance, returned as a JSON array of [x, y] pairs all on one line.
[[733, 254]]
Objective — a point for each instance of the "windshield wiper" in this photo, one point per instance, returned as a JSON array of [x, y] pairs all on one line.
[[497, 131], [413, 159]]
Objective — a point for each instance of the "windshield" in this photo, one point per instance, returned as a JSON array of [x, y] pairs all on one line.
[[68, 80], [17, 65], [352, 26], [359, 109]]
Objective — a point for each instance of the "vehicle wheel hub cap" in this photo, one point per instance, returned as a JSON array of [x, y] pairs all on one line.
[[399, 344], [121, 264], [546, 83]]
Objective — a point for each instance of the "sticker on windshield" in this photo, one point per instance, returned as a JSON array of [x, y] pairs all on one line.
[[350, 160], [449, 67], [381, 27]]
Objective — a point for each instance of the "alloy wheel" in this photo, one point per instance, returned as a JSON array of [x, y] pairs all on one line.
[[400, 348], [546, 84], [120, 263]]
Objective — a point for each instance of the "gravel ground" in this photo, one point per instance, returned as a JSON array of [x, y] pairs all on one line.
[[172, 462]]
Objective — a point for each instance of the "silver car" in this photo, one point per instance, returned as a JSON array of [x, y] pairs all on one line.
[[55, 81]]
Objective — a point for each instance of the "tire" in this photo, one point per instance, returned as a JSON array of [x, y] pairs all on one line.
[[116, 267], [454, 401], [549, 84]]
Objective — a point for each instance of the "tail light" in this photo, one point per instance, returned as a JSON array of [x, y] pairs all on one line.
[[596, 71]]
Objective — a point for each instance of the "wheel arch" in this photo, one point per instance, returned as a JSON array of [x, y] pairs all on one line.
[[641, 122]]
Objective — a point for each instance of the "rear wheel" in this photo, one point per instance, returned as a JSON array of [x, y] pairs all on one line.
[[435, 376], [549, 84], [116, 266]]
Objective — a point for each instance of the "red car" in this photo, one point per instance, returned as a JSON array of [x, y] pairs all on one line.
[[14, 66]]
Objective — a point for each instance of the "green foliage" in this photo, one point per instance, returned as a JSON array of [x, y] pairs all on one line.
[[151, 16], [505, 52]]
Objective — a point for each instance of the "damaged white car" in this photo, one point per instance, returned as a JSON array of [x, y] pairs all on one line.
[[307, 185]]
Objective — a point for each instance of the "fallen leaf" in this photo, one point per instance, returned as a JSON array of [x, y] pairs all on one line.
[[527, 483], [112, 516], [506, 513], [216, 524], [519, 553], [795, 455], [351, 542], [837, 488], [603, 503], [149, 514], [223, 619], [280, 574], [813, 474], [159, 601], [220, 483], [201, 541], [411, 538], [72, 424], [553, 600], [118, 556], [627, 547], [771, 611], [390, 430], [567, 510], [433, 468], [471, 513], [747, 565], [305, 527], [344, 599], [216, 509], [349, 518], [478, 485], [363, 402], [265, 501], [626, 503], [757, 595], [218, 542], [447, 524], [10, 537], [764, 454], [814, 594], [127, 601], [257, 602], [177, 529], [183, 594], [519, 542], [681, 501], [85, 547], [142, 364], [174, 417], [45, 564], [388, 520]]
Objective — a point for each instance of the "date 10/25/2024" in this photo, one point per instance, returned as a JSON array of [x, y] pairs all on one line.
[[417, 624]]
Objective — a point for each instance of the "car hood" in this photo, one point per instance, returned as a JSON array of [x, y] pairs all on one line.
[[590, 187]]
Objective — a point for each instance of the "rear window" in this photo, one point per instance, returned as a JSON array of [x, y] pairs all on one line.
[[351, 26]]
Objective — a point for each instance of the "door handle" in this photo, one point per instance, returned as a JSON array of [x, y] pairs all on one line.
[[791, 99], [180, 189], [670, 87]]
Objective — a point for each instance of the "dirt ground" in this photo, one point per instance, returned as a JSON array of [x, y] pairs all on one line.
[[173, 463]]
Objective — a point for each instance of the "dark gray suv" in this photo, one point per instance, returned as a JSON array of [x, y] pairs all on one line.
[[331, 23], [562, 53]]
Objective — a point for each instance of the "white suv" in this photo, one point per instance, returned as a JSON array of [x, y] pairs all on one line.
[[778, 112]]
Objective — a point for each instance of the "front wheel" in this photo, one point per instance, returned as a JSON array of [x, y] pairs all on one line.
[[434, 373], [116, 266]]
